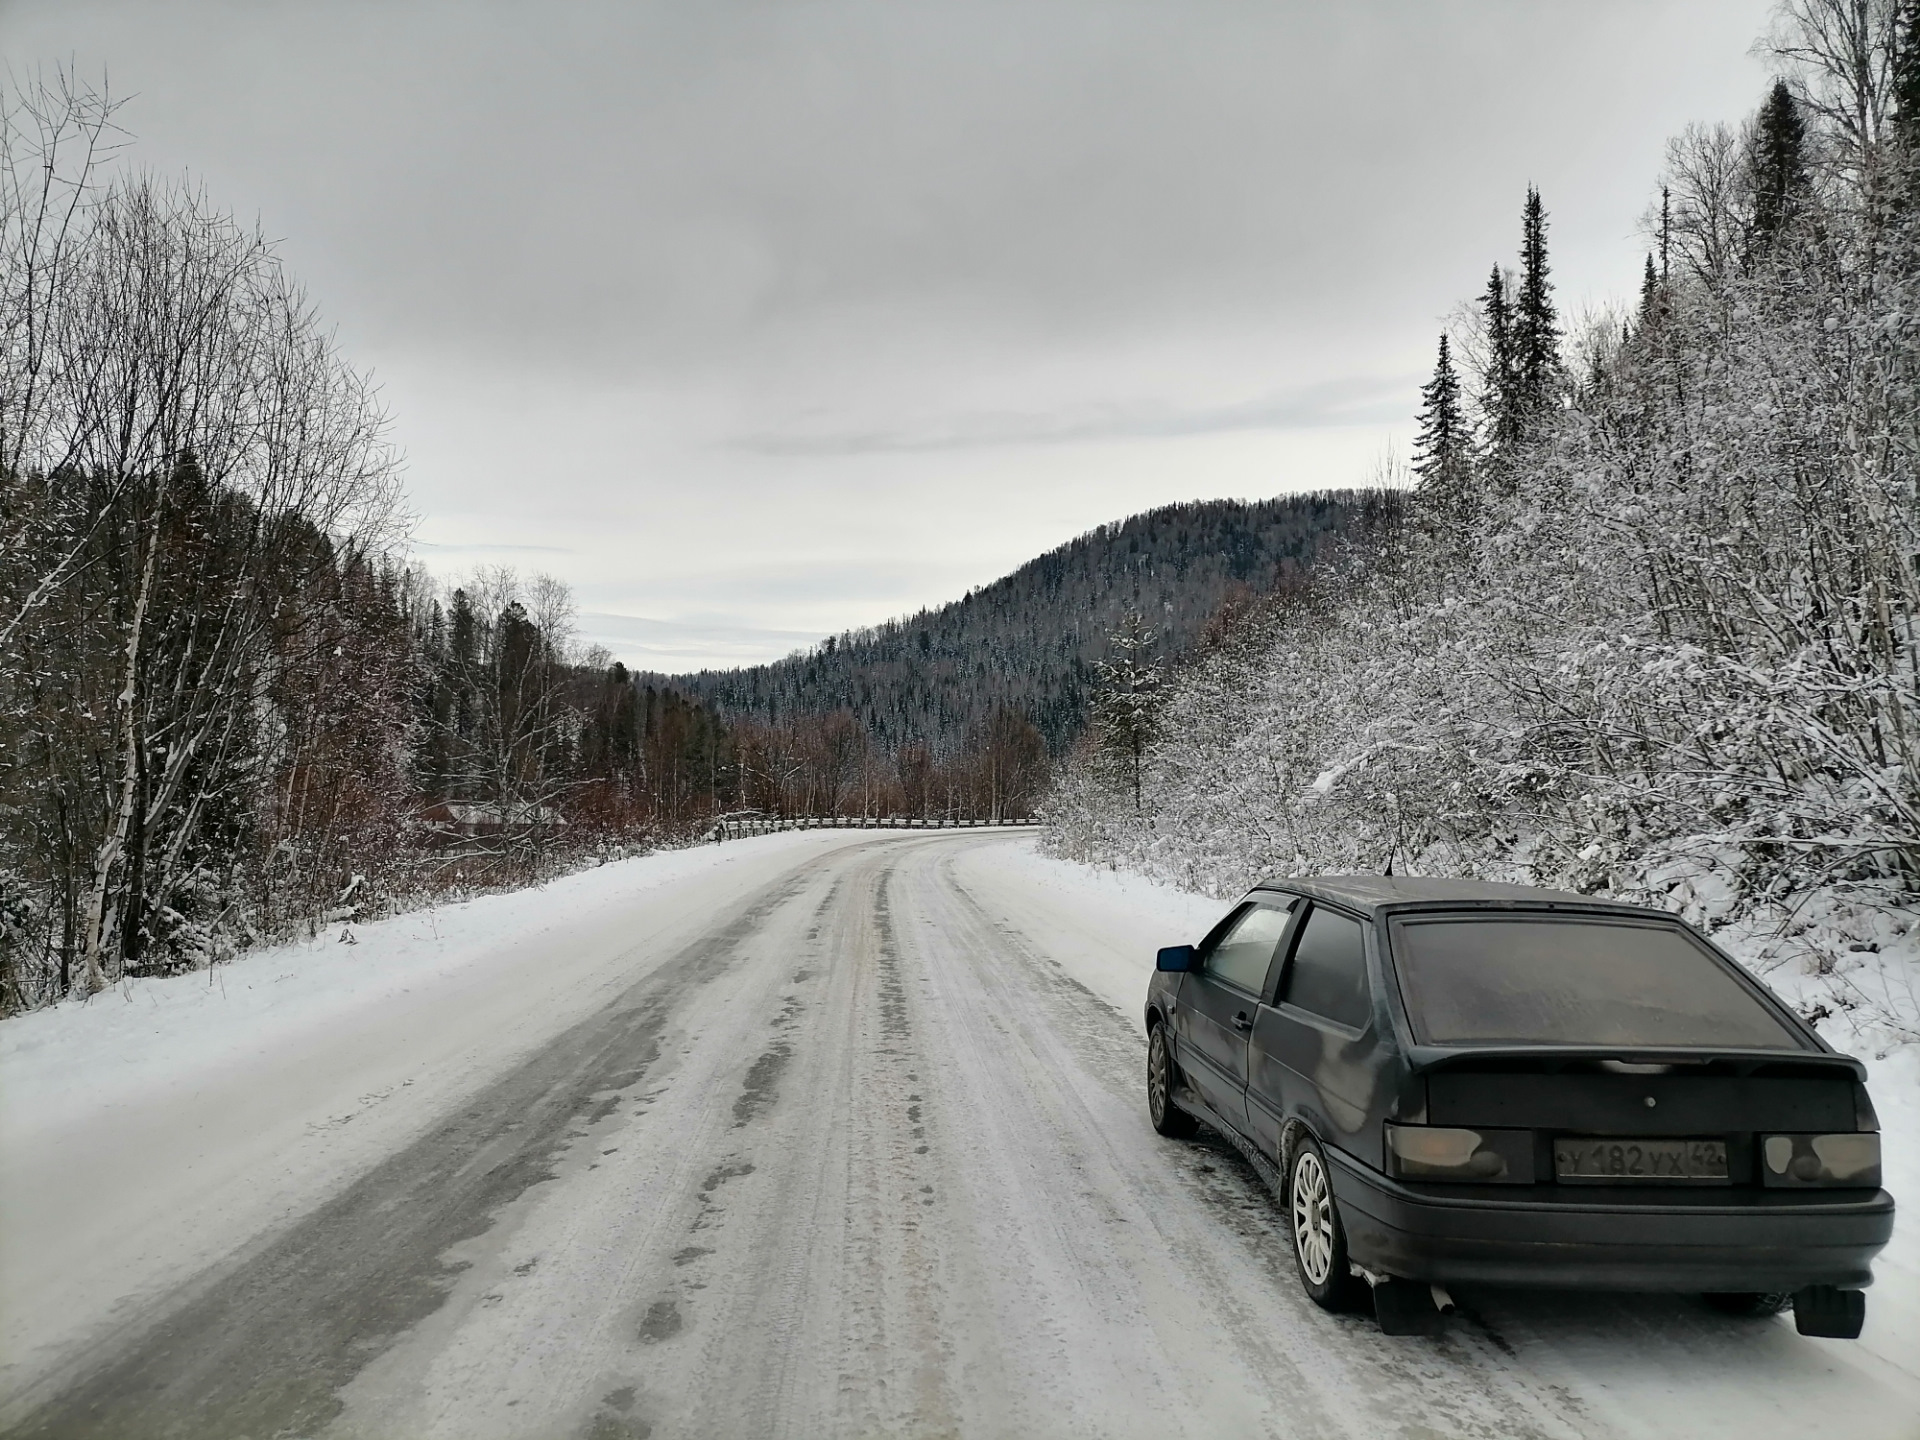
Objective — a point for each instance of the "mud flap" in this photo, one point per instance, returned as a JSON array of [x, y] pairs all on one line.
[[1825, 1310], [1405, 1307]]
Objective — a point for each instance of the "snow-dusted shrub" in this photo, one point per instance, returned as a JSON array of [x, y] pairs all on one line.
[[1667, 647]]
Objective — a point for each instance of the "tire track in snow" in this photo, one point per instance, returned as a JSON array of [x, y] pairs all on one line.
[[865, 1161], [1217, 1236], [264, 1348], [821, 1299]]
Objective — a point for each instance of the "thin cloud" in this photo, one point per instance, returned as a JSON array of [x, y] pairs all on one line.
[[1352, 400], [783, 318], [691, 636], [488, 549]]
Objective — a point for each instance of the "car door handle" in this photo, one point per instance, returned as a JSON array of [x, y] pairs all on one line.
[[1243, 1021]]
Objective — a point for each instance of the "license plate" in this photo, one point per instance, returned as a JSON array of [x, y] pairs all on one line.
[[1639, 1161]]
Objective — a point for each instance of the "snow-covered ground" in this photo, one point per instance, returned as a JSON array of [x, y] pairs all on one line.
[[158, 1127], [1047, 891], [812, 1133]]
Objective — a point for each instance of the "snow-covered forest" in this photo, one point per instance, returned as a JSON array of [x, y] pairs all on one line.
[[227, 713], [1030, 640], [1653, 622], [230, 713], [961, 710], [1647, 625]]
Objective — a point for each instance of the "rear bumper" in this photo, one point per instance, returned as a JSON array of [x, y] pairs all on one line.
[[1582, 1237]]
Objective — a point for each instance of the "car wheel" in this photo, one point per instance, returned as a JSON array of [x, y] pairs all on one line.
[[1751, 1303], [1168, 1118], [1319, 1240]]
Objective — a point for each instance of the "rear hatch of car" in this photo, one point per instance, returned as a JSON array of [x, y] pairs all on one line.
[[1597, 1118], [1612, 1049]]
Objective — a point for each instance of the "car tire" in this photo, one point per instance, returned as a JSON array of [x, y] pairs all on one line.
[[1319, 1239], [1168, 1118], [1750, 1304]]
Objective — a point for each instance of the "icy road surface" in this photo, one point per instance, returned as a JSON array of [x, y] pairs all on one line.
[[807, 1135]]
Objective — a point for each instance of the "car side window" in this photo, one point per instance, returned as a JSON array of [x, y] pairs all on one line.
[[1328, 973], [1244, 952]]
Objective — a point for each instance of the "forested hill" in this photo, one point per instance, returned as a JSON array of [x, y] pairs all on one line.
[[1029, 642]]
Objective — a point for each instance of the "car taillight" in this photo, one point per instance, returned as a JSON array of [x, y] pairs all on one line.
[[1436, 1152], [1863, 1116], [1852, 1159]]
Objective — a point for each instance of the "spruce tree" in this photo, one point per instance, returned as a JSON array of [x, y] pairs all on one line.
[[1500, 400], [1778, 162], [1666, 234], [1125, 704], [1442, 448], [1536, 328], [1649, 294]]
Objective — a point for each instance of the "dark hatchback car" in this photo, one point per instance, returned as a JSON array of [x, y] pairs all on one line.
[[1453, 1081]]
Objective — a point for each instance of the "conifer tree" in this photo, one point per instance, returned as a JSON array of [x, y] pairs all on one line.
[[1500, 400], [1666, 233], [1649, 294], [1778, 162], [1536, 328], [1124, 706], [1442, 448]]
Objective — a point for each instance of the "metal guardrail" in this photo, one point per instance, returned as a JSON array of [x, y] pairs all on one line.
[[732, 829]]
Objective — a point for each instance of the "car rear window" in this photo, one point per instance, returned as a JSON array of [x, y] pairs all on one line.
[[1573, 982]]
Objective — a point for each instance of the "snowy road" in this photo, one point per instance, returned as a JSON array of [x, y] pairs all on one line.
[[819, 1136]]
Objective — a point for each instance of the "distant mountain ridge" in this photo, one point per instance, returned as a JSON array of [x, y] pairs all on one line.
[[1030, 640]]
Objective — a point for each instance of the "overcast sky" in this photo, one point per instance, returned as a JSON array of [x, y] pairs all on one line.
[[755, 321]]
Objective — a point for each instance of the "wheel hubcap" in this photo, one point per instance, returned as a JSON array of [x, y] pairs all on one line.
[[1312, 1218], [1157, 1076]]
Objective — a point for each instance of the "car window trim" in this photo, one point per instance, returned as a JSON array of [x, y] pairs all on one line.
[[1298, 906], [1285, 969], [1211, 940], [1319, 1021]]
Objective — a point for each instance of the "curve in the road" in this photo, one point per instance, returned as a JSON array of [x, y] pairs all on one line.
[[863, 1160]]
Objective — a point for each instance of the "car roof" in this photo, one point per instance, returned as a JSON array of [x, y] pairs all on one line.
[[1384, 892]]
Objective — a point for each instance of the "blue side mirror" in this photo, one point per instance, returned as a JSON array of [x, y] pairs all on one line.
[[1174, 957]]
